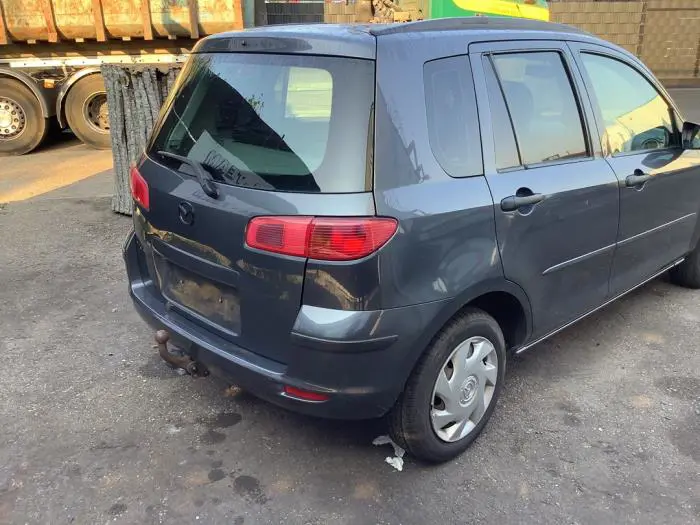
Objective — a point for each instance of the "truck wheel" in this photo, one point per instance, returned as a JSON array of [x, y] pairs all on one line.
[[86, 111], [22, 123]]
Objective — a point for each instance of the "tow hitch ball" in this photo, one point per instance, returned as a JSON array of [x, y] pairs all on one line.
[[178, 361]]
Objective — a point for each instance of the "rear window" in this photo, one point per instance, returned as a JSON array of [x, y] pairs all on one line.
[[273, 122]]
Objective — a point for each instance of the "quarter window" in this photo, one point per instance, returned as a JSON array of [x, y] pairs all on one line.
[[542, 106], [635, 117], [453, 124]]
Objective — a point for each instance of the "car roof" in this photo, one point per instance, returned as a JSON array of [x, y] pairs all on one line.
[[360, 40], [478, 23]]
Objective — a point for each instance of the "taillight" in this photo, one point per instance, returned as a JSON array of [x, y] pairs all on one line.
[[287, 235], [323, 238], [139, 188], [346, 239]]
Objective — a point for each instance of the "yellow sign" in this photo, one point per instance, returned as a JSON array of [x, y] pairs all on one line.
[[504, 8]]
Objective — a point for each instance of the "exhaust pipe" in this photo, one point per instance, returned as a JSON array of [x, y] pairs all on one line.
[[178, 361]]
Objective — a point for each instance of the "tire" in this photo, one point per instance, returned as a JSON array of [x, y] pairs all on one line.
[[411, 420], [687, 273], [22, 123], [86, 112]]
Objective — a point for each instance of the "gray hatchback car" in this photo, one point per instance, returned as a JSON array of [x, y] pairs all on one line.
[[366, 221]]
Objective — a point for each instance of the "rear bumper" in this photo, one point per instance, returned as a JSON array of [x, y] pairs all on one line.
[[360, 359]]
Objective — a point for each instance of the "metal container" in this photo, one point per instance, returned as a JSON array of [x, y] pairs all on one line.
[[101, 20]]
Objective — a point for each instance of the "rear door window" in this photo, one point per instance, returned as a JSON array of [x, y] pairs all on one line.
[[273, 122], [542, 106]]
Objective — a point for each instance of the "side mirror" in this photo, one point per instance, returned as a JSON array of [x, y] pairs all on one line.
[[691, 136]]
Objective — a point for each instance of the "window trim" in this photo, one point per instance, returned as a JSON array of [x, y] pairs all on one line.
[[587, 139], [673, 112], [487, 57]]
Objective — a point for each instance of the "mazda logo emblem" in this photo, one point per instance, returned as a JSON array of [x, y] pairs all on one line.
[[186, 213]]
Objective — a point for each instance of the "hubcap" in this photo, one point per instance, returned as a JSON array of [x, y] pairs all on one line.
[[468, 390], [464, 389], [96, 113], [12, 119]]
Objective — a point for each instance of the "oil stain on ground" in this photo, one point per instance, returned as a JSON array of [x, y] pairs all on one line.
[[223, 420], [684, 388], [685, 437], [211, 437], [220, 421], [216, 475], [117, 509], [249, 488]]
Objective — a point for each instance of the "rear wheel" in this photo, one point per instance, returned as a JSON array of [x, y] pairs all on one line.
[[687, 273], [452, 392], [86, 111], [22, 123]]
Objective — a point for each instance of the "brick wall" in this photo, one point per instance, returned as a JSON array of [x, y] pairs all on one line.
[[665, 34], [339, 12], [284, 12], [617, 22]]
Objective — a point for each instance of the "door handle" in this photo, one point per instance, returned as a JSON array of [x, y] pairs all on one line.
[[515, 202], [639, 178]]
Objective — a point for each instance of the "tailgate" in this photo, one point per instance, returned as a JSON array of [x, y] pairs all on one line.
[[205, 271]]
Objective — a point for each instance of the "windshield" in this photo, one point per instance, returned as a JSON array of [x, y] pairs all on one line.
[[274, 122]]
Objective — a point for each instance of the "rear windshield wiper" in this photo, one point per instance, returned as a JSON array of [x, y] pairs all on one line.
[[206, 181]]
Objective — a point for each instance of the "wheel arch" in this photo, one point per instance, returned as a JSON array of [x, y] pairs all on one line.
[[488, 295], [410, 419], [44, 96], [66, 87], [502, 299]]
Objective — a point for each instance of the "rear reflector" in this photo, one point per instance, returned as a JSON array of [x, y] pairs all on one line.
[[306, 395], [322, 238], [139, 188]]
